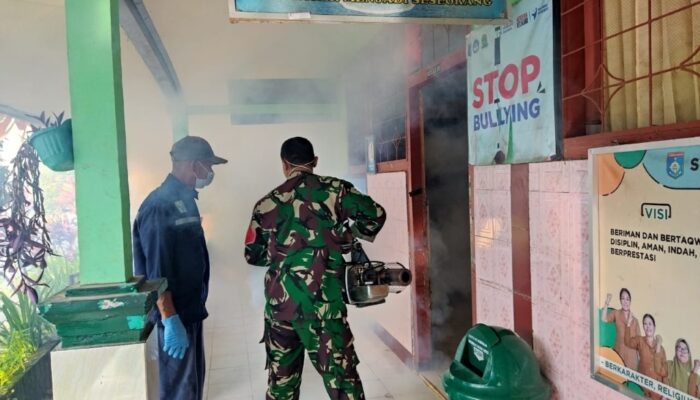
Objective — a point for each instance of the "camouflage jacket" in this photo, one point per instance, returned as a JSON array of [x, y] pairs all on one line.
[[299, 231]]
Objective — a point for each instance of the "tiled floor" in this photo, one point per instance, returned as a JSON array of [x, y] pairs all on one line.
[[235, 359]]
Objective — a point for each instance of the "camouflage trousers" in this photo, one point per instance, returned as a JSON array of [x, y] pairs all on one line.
[[331, 351]]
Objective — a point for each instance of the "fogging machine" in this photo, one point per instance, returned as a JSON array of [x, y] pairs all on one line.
[[368, 283]]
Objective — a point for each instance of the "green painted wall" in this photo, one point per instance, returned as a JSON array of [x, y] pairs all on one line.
[[102, 192]]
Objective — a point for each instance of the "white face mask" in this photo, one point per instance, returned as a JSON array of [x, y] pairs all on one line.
[[201, 183], [308, 167]]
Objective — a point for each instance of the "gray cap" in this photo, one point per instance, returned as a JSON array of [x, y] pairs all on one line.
[[194, 148]]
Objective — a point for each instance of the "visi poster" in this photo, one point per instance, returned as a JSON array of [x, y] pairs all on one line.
[[646, 267], [511, 94], [385, 11]]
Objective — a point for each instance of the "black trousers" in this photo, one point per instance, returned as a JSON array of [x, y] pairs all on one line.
[[182, 379]]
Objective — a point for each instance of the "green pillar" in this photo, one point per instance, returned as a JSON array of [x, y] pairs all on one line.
[[97, 109], [108, 306]]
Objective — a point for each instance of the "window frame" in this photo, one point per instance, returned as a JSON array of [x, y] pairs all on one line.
[[576, 145]]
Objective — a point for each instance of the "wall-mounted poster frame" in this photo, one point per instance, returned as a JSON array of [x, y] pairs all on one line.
[[645, 256], [513, 89]]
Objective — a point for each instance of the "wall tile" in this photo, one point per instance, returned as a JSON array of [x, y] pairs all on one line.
[[535, 172], [551, 285], [501, 177], [579, 217], [560, 271], [552, 342], [578, 176], [535, 225], [577, 255], [552, 221], [553, 177], [500, 213], [484, 255], [483, 212], [494, 305], [503, 265], [483, 178], [494, 262]]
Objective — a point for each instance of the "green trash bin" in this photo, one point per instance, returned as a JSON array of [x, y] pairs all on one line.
[[494, 363]]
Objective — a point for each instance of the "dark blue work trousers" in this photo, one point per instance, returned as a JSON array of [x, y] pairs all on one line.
[[182, 379]]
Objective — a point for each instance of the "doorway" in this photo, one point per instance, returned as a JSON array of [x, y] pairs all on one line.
[[443, 105]]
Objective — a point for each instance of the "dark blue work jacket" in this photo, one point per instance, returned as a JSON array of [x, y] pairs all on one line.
[[169, 243]]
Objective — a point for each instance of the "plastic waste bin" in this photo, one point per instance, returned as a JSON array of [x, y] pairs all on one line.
[[496, 364]]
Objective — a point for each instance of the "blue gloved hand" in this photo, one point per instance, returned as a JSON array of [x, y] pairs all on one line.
[[175, 341]]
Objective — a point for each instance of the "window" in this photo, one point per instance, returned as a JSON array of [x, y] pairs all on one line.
[[629, 65], [438, 41]]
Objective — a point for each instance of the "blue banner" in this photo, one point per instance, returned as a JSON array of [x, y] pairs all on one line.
[[368, 9]]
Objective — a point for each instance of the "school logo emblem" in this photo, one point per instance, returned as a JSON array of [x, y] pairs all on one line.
[[674, 164], [522, 19]]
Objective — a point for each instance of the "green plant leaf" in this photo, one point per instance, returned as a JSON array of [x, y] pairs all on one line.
[[12, 314], [13, 358]]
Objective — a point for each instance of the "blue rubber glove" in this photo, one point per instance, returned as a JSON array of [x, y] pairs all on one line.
[[175, 341]]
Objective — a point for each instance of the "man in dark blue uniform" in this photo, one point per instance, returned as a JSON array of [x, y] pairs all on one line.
[[169, 243]]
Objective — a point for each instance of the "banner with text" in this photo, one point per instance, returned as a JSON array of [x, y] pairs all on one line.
[[400, 11], [511, 97], [650, 385], [646, 265]]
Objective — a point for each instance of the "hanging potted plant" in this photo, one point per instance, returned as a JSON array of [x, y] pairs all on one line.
[[24, 237], [25, 338], [54, 141]]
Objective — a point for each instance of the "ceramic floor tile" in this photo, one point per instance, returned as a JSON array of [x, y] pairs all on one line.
[[230, 392], [229, 341], [366, 371], [259, 394], [231, 376], [231, 322], [374, 388], [399, 387], [236, 360], [236, 330], [221, 361], [315, 393], [257, 365], [229, 348]]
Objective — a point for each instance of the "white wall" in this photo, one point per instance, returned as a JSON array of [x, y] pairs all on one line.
[[34, 66], [391, 245], [148, 126], [254, 169]]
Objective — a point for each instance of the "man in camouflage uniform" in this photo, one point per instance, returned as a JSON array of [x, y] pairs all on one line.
[[299, 232]]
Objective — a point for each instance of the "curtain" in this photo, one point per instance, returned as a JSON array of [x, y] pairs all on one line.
[[675, 95]]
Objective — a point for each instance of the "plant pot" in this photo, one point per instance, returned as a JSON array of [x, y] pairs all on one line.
[[55, 146], [35, 381]]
